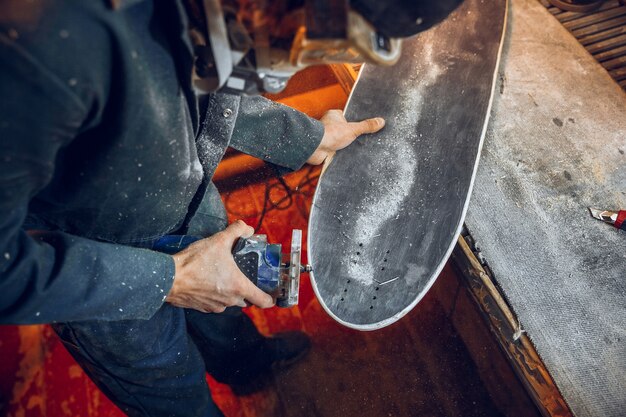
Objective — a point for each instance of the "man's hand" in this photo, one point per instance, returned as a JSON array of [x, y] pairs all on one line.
[[208, 279], [339, 133]]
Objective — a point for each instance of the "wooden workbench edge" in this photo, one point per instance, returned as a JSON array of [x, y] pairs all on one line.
[[503, 324]]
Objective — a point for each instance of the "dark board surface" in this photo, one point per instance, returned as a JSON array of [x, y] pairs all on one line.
[[388, 208]]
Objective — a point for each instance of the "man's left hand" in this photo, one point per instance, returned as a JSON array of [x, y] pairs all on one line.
[[339, 133]]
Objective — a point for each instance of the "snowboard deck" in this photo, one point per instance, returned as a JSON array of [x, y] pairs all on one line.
[[389, 208]]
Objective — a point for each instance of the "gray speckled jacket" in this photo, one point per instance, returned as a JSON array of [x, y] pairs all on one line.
[[102, 147]]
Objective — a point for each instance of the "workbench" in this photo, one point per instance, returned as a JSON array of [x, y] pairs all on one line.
[[555, 145]]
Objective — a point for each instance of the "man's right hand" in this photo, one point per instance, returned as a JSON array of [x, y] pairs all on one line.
[[208, 279]]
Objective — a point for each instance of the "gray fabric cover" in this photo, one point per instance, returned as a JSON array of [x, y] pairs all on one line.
[[555, 145]]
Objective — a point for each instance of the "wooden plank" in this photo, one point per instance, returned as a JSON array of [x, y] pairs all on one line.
[[604, 46], [595, 18], [506, 329], [615, 63], [618, 74], [569, 16], [617, 27], [610, 54]]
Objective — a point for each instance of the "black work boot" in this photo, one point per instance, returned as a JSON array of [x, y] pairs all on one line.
[[279, 352]]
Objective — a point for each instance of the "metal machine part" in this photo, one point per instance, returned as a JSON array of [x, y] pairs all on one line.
[[274, 272], [241, 48], [616, 218]]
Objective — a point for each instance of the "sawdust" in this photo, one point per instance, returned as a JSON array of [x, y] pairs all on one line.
[[396, 166]]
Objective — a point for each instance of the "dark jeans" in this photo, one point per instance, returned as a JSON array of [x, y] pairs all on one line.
[[157, 367]]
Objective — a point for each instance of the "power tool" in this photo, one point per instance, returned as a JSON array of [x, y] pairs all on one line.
[[274, 272]]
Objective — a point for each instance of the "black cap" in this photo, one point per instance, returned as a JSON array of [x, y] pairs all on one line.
[[402, 18]]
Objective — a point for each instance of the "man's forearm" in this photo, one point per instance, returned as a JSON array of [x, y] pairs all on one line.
[[275, 133]]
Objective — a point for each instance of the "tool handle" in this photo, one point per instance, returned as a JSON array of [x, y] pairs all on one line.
[[248, 263], [620, 223]]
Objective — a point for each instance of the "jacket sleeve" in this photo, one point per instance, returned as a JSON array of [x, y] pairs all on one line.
[[275, 133], [52, 276]]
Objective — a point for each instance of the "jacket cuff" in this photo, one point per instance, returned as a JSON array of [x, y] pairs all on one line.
[[58, 277], [143, 284]]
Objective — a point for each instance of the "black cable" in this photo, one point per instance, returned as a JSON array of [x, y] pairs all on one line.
[[301, 196]]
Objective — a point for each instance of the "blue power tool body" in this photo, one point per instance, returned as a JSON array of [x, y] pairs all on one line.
[[264, 264]]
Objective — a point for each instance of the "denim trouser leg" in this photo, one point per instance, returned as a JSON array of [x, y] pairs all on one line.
[[146, 367], [230, 344]]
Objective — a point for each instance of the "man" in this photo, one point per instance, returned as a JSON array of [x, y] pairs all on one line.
[[105, 148]]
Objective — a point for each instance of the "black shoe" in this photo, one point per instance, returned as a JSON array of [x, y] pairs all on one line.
[[279, 352]]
